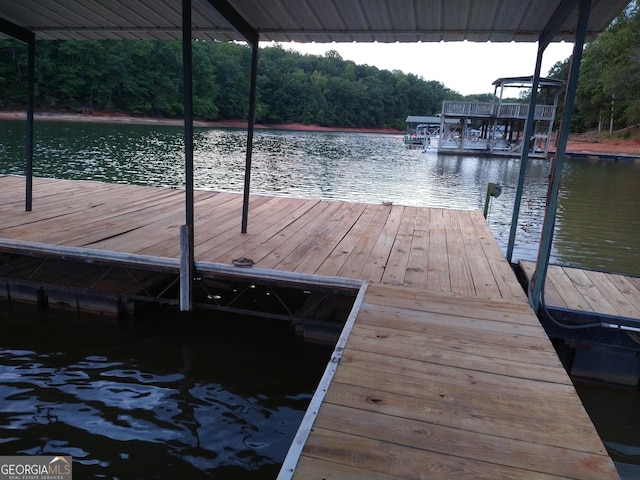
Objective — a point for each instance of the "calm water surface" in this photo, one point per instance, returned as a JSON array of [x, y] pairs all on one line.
[[155, 406], [210, 399]]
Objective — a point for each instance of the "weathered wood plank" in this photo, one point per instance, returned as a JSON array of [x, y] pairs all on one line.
[[539, 426], [479, 382], [393, 316], [459, 271], [418, 263], [589, 291], [460, 398], [438, 268], [442, 350], [317, 468], [483, 280], [301, 244], [257, 245], [327, 247], [265, 218], [422, 300], [502, 272], [493, 449], [628, 289], [551, 294], [401, 460], [398, 262], [341, 261], [570, 295]]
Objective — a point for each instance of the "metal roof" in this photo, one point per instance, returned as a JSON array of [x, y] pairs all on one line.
[[523, 82], [305, 20]]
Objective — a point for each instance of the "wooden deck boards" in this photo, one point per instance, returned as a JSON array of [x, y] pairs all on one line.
[[590, 291], [435, 249], [427, 390], [447, 372]]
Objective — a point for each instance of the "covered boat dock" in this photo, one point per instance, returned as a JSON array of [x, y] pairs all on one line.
[[394, 444]]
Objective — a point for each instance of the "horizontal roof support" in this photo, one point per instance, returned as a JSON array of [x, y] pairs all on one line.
[[559, 17], [16, 31], [236, 20]]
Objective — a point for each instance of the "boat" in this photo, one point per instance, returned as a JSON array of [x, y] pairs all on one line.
[[422, 131]]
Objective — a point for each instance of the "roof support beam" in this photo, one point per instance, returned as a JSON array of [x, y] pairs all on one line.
[[236, 20], [28, 37], [565, 8], [524, 157], [16, 31], [252, 115], [187, 257], [31, 80], [536, 296]]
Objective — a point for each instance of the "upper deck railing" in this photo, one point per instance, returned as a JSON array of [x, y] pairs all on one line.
[[498, 110]]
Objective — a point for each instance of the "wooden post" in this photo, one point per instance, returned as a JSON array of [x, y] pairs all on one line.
[[187, 269]]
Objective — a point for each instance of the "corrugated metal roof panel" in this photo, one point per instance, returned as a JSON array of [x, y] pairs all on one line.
[[305, 20]]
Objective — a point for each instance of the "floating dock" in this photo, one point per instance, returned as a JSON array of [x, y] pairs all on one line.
[[443, 370], [594, 319], [590, 291]]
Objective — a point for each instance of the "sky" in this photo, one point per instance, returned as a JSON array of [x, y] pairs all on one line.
[[465, 67]]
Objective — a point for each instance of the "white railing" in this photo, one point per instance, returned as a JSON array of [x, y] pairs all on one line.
[[502, 110], [476, 109]]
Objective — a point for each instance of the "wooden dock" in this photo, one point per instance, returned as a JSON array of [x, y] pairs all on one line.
[[590, 291], [446, 373]]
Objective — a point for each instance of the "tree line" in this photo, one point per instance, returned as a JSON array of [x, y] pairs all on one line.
[[145, 78], [608, 93]]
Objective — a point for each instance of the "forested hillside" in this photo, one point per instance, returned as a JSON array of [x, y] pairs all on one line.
[[144, 77], [608, 95]]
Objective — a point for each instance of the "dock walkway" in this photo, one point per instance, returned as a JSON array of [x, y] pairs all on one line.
[[590, 291], [446, 373]]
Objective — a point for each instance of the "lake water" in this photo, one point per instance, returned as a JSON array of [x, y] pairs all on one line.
[[151, 406]]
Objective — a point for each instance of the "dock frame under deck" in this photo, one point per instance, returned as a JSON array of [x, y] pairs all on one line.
[[117, 285]]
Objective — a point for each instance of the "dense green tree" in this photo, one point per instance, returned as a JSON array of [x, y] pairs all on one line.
[[145, 78], [609, 85]]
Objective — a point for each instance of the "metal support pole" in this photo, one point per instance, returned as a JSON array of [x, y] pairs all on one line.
[[524, 156], [252, 114], [187, 257], [28, 171], [548, 225]]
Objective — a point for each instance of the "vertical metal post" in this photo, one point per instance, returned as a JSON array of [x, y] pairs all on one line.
[[548, 225], [252, 114], [31, 60], [187, 257], [524, 156]]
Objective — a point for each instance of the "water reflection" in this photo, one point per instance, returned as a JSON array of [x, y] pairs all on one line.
[[202, 398]]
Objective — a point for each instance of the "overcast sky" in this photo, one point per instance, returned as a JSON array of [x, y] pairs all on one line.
[[465, 67]]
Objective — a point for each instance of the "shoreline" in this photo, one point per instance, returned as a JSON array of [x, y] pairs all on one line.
[[133, 120], [614, 147]]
